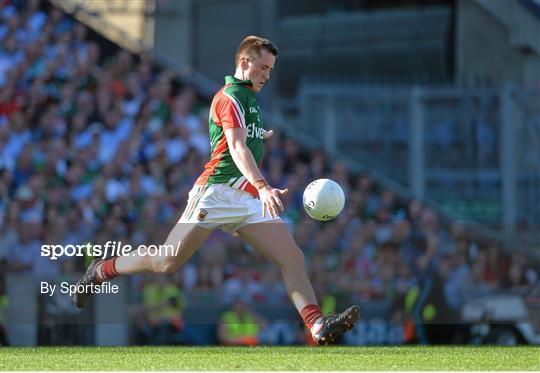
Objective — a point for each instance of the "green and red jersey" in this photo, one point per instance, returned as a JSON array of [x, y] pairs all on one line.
[[233, 106]]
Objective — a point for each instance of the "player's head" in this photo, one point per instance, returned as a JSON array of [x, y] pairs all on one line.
[[255, 59]]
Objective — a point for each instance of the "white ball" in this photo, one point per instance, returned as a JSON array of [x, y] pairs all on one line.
[[323, 199]]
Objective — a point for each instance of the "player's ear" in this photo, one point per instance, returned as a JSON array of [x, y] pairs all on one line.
[[244, 62]]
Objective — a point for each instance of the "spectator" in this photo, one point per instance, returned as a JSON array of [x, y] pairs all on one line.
[[240, 326], [242, 285], [521, 278], [164, 304]]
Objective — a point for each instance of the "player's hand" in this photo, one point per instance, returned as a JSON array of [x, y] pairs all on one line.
[[267, 134], [271, 201]]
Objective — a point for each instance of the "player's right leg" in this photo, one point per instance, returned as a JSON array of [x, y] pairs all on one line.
[[185, 239], [274, 241]]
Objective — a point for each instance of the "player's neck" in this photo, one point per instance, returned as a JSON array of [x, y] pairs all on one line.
[[240, 74]]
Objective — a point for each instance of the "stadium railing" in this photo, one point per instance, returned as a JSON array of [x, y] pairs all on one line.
[[471, 153]]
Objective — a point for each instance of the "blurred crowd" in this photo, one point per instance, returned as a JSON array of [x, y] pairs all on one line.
[[97, 146]]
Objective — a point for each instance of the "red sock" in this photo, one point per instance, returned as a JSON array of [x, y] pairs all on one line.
[[108, 269], [310, 314]]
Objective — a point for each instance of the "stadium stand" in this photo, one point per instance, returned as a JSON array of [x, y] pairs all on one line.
[[102, 146]]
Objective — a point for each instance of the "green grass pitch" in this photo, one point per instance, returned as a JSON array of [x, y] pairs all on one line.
[[271, 358]]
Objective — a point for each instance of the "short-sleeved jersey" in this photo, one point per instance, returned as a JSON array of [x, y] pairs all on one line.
[[234, 105]]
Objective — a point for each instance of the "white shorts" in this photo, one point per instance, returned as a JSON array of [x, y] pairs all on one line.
[[220, 206]]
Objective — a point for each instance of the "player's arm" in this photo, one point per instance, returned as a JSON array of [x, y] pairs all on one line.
[[243, 158]]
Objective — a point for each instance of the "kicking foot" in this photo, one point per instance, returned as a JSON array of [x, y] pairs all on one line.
[[329, 328], [82, 294]]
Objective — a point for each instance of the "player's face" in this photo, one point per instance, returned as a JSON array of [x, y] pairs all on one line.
[[259, 69]]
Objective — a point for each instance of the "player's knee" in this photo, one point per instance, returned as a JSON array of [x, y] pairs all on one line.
[[164, 266]]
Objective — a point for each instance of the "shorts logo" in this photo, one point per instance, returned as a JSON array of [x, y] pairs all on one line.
[[202, 214]]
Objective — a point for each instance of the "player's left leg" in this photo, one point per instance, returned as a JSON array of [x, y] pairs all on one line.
[[274, 241]]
